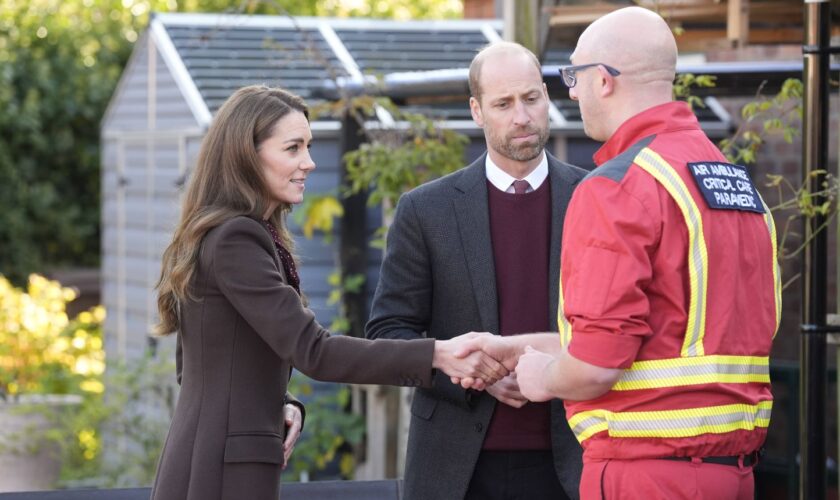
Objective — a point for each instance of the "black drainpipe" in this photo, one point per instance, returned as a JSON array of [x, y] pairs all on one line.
[[813, 375]]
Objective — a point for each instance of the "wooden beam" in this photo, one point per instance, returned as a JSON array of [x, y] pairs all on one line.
[[688, 12], [522, 23], [697, 40], [578, 15], [738, 22], [776, 35], [702, 40], [774, 11]]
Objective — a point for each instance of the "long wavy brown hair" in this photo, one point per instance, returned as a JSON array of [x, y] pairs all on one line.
[[227, 182]]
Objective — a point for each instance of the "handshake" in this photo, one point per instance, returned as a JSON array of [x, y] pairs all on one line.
[[510, 370]]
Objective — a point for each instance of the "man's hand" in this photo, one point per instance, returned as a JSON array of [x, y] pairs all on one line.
[[293, 421], [494, 346], [532, 373], [472, 364], [506, 391], [498, 347]]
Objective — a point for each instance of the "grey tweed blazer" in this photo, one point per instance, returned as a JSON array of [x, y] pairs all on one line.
[[438, 280]]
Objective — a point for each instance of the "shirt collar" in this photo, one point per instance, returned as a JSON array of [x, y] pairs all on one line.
[[675, 115], [504, 181]]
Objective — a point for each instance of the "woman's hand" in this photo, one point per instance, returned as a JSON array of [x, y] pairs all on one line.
[[294, 421], [467, 364]]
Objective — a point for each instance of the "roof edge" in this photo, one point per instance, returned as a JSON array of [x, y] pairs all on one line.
[[121, 83], [308, 22], [182, 78]]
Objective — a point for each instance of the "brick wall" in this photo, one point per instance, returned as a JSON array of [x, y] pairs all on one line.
[[479, 9]]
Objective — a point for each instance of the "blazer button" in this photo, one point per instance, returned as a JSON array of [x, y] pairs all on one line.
[[478, 427]]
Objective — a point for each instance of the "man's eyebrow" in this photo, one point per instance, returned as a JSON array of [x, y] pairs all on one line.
[[506, 94]]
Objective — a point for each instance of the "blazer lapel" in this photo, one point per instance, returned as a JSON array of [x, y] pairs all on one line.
[[562, 185], [472, 214]]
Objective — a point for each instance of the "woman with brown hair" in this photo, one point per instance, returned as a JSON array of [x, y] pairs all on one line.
[[230, 288]]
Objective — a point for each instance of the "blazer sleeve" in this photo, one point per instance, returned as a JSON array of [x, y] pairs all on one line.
[[402, 302], [246, 273]]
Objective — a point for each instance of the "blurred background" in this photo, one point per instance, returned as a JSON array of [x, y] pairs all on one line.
[[103, 105]]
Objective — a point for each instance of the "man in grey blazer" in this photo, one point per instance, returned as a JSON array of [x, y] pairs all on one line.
[[479, 250]]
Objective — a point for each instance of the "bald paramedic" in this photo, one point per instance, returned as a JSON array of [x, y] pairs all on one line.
[[670, 294]]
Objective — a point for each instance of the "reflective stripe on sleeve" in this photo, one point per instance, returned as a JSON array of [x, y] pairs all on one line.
[[677, 372]]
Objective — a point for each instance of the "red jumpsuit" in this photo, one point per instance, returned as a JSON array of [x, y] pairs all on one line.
[[669, 271]]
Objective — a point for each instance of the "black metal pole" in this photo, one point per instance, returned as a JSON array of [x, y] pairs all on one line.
[[353, 246], [812, 382]]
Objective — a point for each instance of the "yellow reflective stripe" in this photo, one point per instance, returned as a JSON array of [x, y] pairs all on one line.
[[676, 372], [563, 325], [672, 423], [698, 260], [777, 275]]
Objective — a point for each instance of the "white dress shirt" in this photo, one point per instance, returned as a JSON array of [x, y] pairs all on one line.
[[504, 181]]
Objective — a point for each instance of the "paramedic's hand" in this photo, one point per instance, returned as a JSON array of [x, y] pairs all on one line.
[[533, 374], [506, 391]]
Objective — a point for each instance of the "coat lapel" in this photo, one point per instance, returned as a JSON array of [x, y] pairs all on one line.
[[562, 185], [473, 216], [277, 261]]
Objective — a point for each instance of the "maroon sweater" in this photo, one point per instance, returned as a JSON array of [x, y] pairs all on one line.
[[520, 228]]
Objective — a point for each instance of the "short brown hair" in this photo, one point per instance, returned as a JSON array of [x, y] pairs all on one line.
[[487, 51]]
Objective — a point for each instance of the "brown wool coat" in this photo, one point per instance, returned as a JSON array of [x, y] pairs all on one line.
[[239, 341]]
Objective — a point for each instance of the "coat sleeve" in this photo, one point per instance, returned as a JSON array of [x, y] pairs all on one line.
[[246, 273], [402, 302]]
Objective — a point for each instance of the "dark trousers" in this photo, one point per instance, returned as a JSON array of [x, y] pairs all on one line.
[[515, 475]]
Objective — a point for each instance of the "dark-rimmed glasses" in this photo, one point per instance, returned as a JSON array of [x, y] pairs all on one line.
[[569, 73]]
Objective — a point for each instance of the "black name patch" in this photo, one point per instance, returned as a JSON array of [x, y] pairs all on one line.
[[726, 186]]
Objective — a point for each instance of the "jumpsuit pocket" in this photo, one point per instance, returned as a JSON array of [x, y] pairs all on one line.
[[592, 480], [591, 282], [254, 448]]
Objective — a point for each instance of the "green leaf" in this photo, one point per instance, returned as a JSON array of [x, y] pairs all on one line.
[[774, 180]]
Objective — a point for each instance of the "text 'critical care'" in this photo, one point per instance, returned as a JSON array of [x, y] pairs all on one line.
[[726, 186]]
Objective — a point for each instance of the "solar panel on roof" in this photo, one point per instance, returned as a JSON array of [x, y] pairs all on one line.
[[385, 51], [220, 59], [224, 55]]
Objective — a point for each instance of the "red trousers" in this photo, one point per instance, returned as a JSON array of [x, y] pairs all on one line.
[[664, 479]]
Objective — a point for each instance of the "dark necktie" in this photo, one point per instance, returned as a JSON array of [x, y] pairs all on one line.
[[520, 186]]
